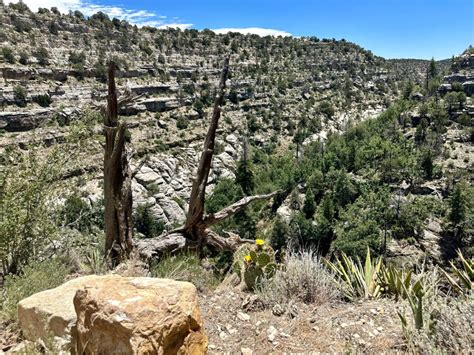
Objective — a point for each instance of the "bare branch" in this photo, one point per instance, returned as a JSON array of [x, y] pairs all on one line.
[[228, 211], [231, 243], [162, 245]]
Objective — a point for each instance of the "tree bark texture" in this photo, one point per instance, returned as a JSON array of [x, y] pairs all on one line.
[[117, 181]]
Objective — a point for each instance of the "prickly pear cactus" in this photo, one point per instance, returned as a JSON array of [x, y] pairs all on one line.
[[258, 263]]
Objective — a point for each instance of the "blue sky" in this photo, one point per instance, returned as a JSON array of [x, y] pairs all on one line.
[[390, 28]]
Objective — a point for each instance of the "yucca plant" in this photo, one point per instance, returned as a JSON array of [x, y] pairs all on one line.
[[415, 299], [395, 282], [416, 292], [355, 279], [95, 262], [465, 276]]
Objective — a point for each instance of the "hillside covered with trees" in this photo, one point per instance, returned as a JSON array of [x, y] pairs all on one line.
[[323, 165]]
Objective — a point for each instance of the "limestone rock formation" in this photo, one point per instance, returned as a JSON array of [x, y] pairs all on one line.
[[139, 316]]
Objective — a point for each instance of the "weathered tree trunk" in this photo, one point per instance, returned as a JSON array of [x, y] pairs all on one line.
[[196, 233], [117, 181], [193, 228]]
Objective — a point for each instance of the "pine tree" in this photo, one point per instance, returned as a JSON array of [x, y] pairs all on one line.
[[327, 208], [427, 165], [458, 205], [279, 234], [309, 206], [432, 70], [244, 174]]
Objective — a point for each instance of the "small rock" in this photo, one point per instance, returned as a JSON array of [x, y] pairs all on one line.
[[272, 332], [243, 316], [278, 310], [253, 303], [246, 351], [223, 335], [293, 311], [231, 330]]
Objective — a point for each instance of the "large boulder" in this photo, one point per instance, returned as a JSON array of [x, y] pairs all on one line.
[[116, 315], [139, 316], [51, 314]]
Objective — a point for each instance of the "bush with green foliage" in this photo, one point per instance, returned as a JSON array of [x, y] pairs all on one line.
[[100, 71], [20, 94], [81, 215], [37, 276], [182, 123], [8, 55], [244, 176], [44, 100], [42, 56], [146, 223], [185, 267], [279, 236], [24, 58]]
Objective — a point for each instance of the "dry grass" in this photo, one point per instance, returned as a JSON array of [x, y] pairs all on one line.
[[302, 278]]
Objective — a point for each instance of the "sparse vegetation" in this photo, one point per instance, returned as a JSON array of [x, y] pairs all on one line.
[[371, 218]]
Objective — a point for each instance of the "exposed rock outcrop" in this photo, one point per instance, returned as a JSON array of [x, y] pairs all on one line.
[[139, 316], [51, 313], [116, 315]]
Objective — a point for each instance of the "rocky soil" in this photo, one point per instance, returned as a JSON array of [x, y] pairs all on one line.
[[235, 324]]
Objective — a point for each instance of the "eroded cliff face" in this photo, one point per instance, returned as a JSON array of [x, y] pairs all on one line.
[[53, 72]]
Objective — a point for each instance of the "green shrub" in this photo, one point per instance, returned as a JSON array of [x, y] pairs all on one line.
[[20, 95], [37, 276], [8, 55], [226, 192], [100, 71], [28, 224], [146, 223], [77, 58], [20, 25], [182, 123], [42, 56], [78, 214], [185, 267], [23, 58], [43, 100]]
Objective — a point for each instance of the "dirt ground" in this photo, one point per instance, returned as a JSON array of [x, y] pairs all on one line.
[[236, 323], [234, 328]]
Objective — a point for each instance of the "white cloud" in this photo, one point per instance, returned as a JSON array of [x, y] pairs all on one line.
[[182, 26], [253, 30], [90, 7]]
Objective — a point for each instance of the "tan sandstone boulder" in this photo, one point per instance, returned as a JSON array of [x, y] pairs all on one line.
[[139, 316], [50, 315]]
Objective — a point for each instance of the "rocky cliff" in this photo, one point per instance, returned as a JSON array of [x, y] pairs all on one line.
[[53, 73]]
